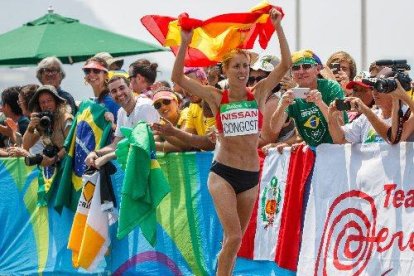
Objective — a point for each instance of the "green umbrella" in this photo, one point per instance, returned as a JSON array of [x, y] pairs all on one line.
[[67, 39]]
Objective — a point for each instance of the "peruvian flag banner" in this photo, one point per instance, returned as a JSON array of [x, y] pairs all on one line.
[[359, 218], [275, 226]]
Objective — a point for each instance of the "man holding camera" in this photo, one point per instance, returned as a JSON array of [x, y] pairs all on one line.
[[373, 124], [50, 122], [309, 111]]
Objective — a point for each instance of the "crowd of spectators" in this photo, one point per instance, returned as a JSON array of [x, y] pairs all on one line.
[[184, 122]]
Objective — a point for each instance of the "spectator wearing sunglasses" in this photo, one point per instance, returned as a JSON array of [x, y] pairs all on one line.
[[50, 71], [166, 102], [310, 112], [260, 70], [197, 128], [96, 74], [133, 109]]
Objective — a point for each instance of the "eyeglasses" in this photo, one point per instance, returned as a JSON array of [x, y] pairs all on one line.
[[89, 70], [158, 105], [49, 70], [255, 79], [304, 66]]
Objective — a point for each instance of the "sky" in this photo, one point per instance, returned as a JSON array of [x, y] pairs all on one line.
[[326, 26]]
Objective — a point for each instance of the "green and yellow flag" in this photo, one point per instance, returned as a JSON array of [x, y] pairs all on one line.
[[144, 184], [90, 131]]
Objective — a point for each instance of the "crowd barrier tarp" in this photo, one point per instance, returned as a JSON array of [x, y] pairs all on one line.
[[34, 239], [359, 217]]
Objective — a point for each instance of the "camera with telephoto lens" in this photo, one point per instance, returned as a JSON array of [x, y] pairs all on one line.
[[387, 85], [46, 119], [49, 151]]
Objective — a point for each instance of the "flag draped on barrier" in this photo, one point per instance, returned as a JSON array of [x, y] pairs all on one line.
[[144, 184], [278, 219], [89, 238], [213, 37], [90, 131]]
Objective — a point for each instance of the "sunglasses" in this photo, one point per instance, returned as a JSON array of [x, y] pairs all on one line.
[[304, 66], [158, 105], [255, 79], [89, 70]]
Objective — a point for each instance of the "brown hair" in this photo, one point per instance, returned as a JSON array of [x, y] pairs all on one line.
[[344, 56], [27, 92], [118, 77], [228, 57], [145, 68]]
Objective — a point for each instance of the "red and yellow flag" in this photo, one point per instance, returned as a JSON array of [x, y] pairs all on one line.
[[214, 37]]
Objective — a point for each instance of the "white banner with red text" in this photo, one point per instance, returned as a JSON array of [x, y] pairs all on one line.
[[360, 214]]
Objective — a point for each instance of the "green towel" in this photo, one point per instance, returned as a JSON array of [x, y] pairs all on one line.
[[144, 184]]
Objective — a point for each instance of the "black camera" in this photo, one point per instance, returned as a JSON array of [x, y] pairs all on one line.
[[49, 151], [387, 85], [341, 105], [46, 119]]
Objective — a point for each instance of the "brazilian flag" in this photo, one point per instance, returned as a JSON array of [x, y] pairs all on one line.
[[144, 184], [90, 131]]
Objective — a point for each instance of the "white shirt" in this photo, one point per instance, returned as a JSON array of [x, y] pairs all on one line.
[[361, 130], [143, 111]]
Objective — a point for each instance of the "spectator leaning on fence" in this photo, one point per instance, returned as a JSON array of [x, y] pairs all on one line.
[[133, 109], [370, 127], [309, 113], [58, 123]]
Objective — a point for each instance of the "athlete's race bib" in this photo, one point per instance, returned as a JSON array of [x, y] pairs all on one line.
[[240, 118]]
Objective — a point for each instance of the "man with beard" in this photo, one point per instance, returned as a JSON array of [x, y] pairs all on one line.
[[133, 109]]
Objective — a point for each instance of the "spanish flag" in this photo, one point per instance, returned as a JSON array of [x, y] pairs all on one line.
[[90, 131], [214, 37]]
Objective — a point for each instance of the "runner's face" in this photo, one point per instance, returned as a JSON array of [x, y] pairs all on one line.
[[238, 70]]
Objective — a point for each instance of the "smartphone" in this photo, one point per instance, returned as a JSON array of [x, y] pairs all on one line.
[[335, 67], [300, 92], [341, 105]]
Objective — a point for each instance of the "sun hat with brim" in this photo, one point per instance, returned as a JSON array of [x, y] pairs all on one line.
[[352, 84], [164, 95], [265, 63], [95, 65], [34, 102], [110, 59]]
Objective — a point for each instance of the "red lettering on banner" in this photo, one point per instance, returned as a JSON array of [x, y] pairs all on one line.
[[398, 198], [352, 243]]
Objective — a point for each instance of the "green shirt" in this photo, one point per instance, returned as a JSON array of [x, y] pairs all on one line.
[[309, 120]]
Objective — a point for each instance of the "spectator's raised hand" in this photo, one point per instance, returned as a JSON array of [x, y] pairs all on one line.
[[287, 83], [314, 96], [287, 99], [399, 93], [165, 127]]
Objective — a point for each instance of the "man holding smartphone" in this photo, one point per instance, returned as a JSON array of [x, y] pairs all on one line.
[[310, 112]]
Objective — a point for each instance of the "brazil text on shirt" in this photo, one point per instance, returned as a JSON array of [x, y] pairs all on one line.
[[310, 111]]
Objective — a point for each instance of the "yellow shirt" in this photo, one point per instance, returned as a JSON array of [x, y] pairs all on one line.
[[197, 121]]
